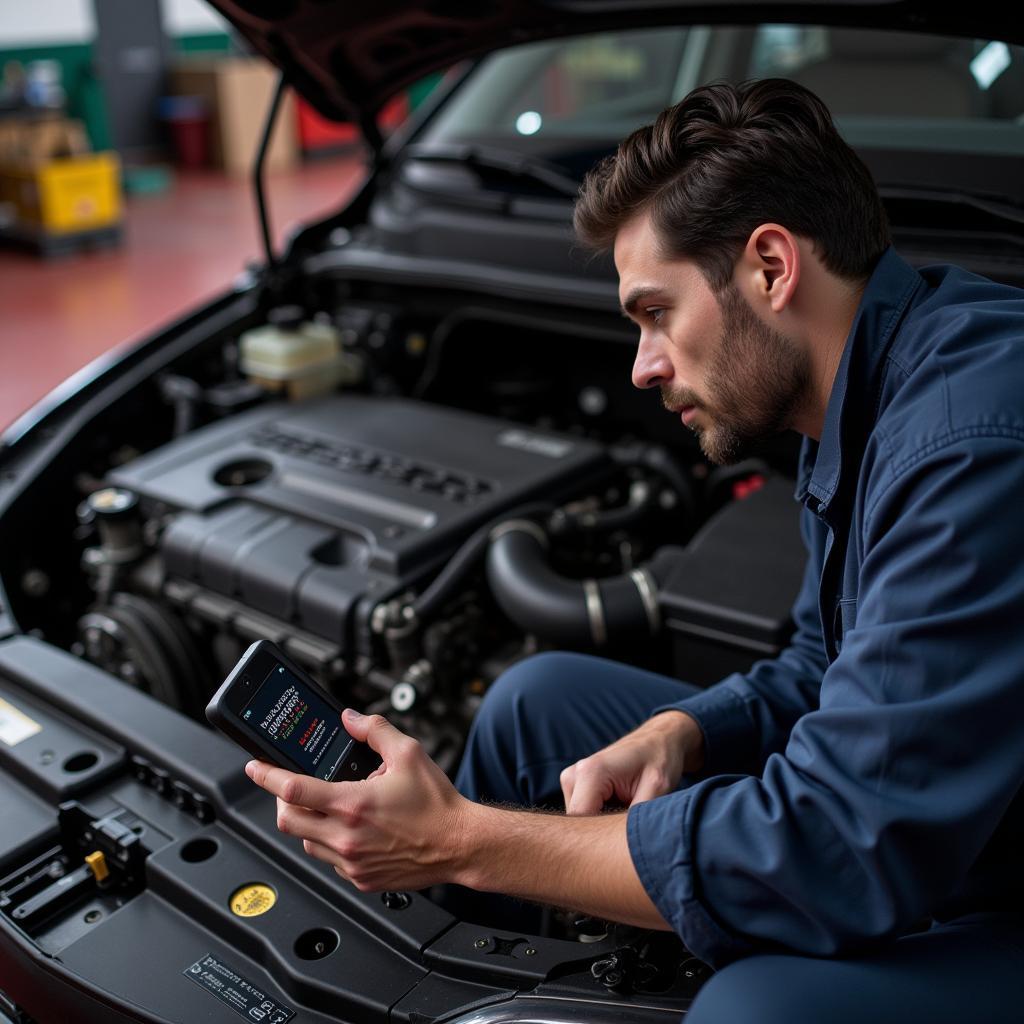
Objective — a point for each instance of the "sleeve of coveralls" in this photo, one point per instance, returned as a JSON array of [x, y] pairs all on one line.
[[887, 793], [747, 716]]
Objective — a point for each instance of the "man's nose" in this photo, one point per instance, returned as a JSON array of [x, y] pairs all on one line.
[[652, 367]]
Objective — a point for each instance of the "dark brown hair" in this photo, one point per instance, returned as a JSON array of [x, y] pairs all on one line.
[[727, 158]]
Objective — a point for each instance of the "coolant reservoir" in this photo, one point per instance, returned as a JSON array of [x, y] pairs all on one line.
[[298, 356]]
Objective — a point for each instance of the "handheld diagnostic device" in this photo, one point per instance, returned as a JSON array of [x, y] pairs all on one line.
[[275, 711]]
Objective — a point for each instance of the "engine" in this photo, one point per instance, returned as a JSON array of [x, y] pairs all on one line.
[[406, 553]]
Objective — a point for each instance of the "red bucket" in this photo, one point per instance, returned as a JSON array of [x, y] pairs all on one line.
[[188, 127]]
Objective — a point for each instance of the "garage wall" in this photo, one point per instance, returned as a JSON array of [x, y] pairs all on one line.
[[45, 22], [63, 30], [49, 22]]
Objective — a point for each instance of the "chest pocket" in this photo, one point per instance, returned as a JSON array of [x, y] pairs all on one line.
[[845, 619]]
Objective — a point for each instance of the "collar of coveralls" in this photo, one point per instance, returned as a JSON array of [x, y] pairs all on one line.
[[853, 403]]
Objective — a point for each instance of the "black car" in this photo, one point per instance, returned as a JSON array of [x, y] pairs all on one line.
[[330, 455]]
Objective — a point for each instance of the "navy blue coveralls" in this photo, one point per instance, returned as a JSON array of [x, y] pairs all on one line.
[[861, 797]]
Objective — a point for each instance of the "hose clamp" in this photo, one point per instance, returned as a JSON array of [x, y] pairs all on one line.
[[647, 589], [520, 526], [595, 612]]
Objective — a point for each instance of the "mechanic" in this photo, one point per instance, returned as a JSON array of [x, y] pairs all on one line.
[[839, 829]]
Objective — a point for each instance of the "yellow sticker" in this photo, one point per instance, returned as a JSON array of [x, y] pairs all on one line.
[[252, 900], [15, 725]]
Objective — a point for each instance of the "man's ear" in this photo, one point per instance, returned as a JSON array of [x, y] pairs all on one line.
[[769, 266]]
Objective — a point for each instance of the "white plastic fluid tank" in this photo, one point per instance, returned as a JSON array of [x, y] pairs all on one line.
[[290, 352]]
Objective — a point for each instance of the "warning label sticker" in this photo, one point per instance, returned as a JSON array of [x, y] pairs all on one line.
[[241, 995], [15, 725]]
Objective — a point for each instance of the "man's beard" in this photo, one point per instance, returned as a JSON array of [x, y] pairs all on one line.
[[756, 379]]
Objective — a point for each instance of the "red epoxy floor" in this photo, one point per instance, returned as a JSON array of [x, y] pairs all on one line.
[[178, 249]]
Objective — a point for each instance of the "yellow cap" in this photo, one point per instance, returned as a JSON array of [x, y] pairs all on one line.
[[252, 899], [98, 865]]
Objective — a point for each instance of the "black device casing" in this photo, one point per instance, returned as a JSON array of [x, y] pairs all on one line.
[[258, 662]]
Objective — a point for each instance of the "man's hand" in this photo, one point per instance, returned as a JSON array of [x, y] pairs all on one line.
[[645, 763], [406, 827], [397, 829]]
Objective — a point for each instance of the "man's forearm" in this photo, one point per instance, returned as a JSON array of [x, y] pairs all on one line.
[[577, 862]]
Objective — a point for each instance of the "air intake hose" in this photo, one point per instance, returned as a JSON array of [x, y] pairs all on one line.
[[580, 613]]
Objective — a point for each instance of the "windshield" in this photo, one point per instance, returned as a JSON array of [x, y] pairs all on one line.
[[569, 101]]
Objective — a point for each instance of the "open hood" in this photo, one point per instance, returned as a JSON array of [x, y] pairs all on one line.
[[347, 57]]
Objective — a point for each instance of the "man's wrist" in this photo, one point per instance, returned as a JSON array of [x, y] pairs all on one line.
[[579, 862], [478, 829]]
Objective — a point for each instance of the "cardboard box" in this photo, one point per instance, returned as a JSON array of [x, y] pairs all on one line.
[[37, 138], [238, 91]]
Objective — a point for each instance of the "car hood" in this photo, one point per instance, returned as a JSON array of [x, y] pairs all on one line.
[[347, 57]]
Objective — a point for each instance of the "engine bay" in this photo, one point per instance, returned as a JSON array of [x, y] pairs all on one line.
[[406, 534], [406, 552]]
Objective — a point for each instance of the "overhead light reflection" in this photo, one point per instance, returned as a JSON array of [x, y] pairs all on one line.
[[528, 122]]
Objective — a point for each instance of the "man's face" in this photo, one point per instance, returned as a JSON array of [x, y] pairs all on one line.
[[732, 378]]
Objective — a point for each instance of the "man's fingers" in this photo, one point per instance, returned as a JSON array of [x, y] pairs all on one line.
[[568, 782], [651, 785], [585, 800], [293, 820], [290, 787], [321, 852], [589, 792], [328, 856], [377, 733]]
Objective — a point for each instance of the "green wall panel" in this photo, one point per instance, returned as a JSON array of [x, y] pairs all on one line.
[[84, 90]]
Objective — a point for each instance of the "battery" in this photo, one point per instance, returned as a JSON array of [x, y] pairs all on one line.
[[726, 602]]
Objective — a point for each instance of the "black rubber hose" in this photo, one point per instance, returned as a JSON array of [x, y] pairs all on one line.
[[463, 562], [619, 518], [624, 608], [588, 613], [657, 459], [531, 594]]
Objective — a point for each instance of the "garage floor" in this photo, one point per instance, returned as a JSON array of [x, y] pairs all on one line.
[[179, 248]]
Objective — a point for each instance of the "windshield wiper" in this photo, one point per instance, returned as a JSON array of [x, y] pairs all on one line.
[[487, 161], [1000, 209]]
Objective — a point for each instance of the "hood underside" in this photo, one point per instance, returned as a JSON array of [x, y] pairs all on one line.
[[348, 57]]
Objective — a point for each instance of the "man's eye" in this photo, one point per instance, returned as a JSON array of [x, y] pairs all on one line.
[[656, 315]]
